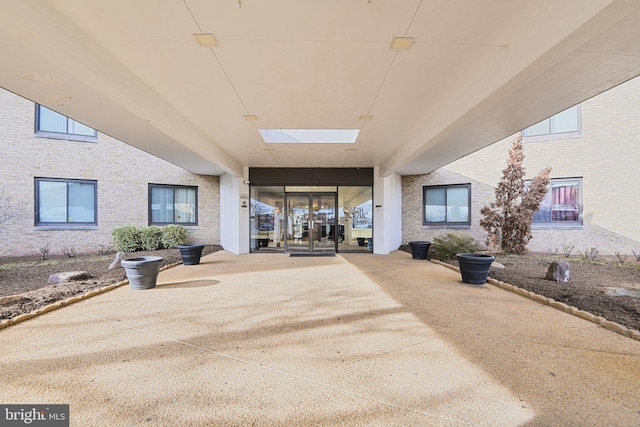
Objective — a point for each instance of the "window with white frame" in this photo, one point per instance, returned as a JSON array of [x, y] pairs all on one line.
[[562, 203], [66, 202], [447, 205], [566, 124], [50, 124], [173, 204]]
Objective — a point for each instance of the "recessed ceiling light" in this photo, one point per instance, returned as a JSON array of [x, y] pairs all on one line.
[[206, 39], [366, 117], [250, 117], [401, 42]]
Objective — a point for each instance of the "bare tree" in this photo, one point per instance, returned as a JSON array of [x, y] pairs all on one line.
[[11, 208], [508, 219]]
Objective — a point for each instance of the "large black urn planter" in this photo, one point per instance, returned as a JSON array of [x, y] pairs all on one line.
[[142, 272], [419, 250], [474, 268], [190, 254]]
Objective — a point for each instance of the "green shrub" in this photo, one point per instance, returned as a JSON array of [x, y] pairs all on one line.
[[127, 239], [151, 238], [173, 235], [132, 239], [446, 247]]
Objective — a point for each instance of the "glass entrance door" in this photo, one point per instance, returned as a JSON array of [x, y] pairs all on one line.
[[311, 222]]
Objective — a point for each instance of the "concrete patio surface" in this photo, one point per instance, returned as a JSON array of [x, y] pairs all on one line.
[[356, 339]]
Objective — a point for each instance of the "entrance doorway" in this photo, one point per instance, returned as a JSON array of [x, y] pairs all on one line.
[[339, 213], [311, 222]]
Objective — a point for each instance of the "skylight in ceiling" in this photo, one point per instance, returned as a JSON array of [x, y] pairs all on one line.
[[310, 136]]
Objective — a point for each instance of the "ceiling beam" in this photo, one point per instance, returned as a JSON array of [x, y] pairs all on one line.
[[537, 50], [53, 36]]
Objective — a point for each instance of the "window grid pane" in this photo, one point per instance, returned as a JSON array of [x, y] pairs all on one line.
[[65, 202], [447, 205], [561, 203], [161, 205], [435, 205], [185, 205], [457, 204], [542, 128], [78, 128], [173, 205], [50, 121], [566, 121], [52, 197], [81, 202]]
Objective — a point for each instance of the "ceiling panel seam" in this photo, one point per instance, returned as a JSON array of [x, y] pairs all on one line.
[[413, 18], [224, 71]]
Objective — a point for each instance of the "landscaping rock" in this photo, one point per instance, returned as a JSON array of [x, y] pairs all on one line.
[[69, 276], [620, 292], [558, 271], [116, 261], [11, 298]]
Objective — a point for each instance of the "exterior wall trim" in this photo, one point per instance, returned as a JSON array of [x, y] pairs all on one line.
[[311, 176]]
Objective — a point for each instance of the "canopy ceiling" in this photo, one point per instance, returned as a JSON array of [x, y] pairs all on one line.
[[477, 71]]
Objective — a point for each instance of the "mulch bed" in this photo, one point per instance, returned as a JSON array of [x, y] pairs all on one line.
[[28, 277], [586, 288]]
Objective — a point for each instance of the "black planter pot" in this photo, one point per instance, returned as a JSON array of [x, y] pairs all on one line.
[[474, 268], [190, 254], [142, 272], [419, 250], [361, 241]]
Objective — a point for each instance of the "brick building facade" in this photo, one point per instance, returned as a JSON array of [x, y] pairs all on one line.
[[602, 157], [122, 175]]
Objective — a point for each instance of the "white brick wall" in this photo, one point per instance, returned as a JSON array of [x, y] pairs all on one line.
[[606, 156], [412, 206], [122, 172]]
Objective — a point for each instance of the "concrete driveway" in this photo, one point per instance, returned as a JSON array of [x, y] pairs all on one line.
[[356, 339]]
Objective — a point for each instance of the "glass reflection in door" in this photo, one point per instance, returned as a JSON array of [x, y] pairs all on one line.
[[311, 222], [297, 223], [355, 205], [267, 218], [324, 219]]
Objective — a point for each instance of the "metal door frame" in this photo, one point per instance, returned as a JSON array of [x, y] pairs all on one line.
[[310, 196]]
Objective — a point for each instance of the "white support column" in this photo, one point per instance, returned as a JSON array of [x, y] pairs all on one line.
[[234, 213], [387, 212]]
